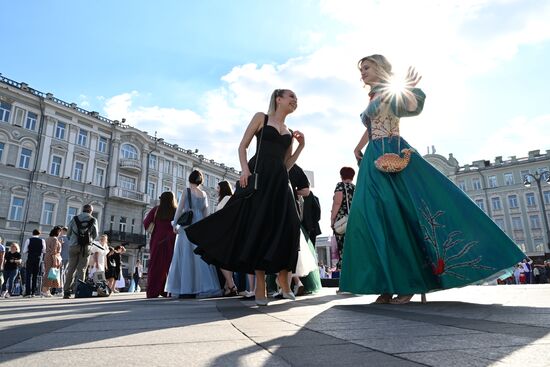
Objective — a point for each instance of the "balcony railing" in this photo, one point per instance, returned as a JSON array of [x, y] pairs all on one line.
[[130, 238], [120, 193], [133, 165]]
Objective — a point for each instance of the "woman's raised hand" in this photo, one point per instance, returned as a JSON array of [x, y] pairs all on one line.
[[299, 137], [412, 78]]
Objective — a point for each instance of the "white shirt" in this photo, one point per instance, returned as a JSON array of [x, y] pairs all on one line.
[[101, 257], [222, 203], [26, 245]]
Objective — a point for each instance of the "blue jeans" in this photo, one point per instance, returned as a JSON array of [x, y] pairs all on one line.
[[10, 279]]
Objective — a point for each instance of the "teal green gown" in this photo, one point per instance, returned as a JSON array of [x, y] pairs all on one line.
[[414, 231]]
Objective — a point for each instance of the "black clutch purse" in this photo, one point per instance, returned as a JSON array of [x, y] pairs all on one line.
[[250, 188], [186, 218]]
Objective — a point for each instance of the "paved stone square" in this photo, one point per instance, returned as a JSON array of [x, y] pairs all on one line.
[[471, 326]]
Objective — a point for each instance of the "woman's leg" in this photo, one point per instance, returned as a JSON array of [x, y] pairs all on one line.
[[260, 285], [284, 281], [229, 288]]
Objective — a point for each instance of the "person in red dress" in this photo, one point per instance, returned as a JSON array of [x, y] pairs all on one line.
[[161, 245]]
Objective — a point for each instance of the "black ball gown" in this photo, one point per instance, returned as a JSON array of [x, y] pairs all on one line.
[[260, 232]]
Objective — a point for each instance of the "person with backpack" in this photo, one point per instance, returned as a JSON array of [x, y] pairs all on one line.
[[83, 230]]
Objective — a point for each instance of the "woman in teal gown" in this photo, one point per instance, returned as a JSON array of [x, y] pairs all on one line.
[[412, 231]]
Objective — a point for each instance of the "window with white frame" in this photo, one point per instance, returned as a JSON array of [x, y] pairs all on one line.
[[153, 161], [60, 128], [500, 223], [102, 144], [462, 185], [25, 158], [78, 171], [133, 225], [167, 167], [534, 220], [508, 179], [82, 138], [1, 150], [128, 183], [30, 123], [71, 212], [128, 151], [16, 208], [513, 201], [525, 175], [206, 181], [481, 204], [181, 170], [47, 213], [476, 183], [151, 189], [530, 199], [517, 225], [546, 195], [5, 110], [122, 224], [495, 201], [99, 176], [111, 223], [492, 181], [55, 166]]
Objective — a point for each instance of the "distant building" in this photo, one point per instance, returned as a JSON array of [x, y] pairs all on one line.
[[55, 157], [498, 188]]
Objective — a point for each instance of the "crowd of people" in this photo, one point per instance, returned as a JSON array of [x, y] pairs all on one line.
[[400, 231]]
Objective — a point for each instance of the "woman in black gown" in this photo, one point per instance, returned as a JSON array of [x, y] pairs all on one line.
[[259, 233]]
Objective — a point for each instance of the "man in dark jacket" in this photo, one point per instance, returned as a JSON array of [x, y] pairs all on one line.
[[79, 253]]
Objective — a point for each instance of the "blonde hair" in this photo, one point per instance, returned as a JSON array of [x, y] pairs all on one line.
[[273, 100], [16, 246], [383, 66], [104, 236]]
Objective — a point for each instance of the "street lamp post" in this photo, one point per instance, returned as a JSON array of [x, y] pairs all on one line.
[[538, 177]]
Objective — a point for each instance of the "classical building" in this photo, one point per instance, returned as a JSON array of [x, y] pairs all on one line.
[[508, 192], [55, 157]]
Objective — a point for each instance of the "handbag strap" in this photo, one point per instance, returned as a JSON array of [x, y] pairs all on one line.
[[260, 144], [347, 199], [189, 198]]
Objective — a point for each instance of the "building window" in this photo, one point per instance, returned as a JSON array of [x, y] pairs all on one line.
[[60, 130], [78, 171], [481, 204], [122, 224], [500, 223], [513, 201], [47, 213], [152, 161], [71, 213], [492, 181], [133, 225], [508, 179], [530, 199], [5, 110], [462, 185], [82, 138], [534, 220], [128, 151], [476, 183], [151, 189], [167, 167], [546, 195], [112, 223], [178, 195], [102, 144], [1, 150], [99, 176], [55, 168], [16, 208], [181, 170], [496, 203], [525, 175], [30, 123], [128, 183], [516, 224], [25, 158]]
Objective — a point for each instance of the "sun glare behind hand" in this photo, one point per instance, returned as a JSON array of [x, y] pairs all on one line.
[[396, 85]]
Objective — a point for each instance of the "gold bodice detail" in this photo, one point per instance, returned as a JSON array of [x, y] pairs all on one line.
[[385, 124]]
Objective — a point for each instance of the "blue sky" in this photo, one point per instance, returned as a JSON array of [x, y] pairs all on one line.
[[197, 71]]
